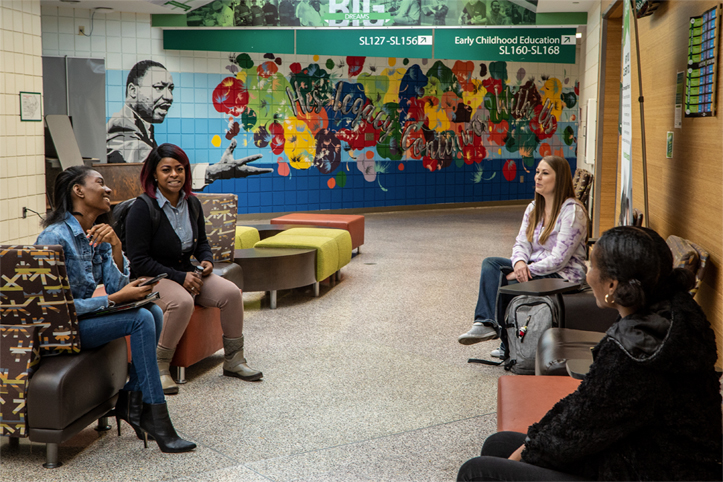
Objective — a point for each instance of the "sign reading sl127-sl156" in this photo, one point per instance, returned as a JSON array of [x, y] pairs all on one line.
[[547, 45], [414, 43]]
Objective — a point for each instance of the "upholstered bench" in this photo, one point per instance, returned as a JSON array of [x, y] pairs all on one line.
[[246, 237], [341, 237], [202, 338], [69, 392], [327, 251], [350, 222], [524, 399]]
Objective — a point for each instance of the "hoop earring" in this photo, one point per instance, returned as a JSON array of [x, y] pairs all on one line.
[[607, 300]]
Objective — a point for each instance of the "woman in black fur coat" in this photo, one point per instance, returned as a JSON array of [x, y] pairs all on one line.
[[650, 407]]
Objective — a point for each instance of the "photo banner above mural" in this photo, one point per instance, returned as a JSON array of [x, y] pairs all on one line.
[[354, 13], [415, 43], [279, 41], [546, 45]]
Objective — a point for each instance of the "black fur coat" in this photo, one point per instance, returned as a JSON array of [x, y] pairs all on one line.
[[650, 407]]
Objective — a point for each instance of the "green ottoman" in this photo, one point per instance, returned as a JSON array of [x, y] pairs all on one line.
[[327, 252], [246, 237], [341, 237]]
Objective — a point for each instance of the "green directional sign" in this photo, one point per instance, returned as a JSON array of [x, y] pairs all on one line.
[[546, 45], [223, 40], [415, 43]]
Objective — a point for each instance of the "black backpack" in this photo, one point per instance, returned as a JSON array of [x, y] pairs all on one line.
[[120, 213]]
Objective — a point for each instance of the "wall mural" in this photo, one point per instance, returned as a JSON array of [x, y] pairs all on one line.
[[349, 118]]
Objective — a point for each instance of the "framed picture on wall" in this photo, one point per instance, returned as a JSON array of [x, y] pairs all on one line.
[[31, 107]]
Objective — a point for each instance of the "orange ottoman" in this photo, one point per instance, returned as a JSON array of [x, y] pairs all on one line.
[[202, 338], [351, 222], [524, 399]]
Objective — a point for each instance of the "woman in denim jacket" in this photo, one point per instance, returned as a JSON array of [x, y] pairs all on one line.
[[93, 256]]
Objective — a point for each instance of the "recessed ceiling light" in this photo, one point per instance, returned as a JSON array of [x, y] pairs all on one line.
[[578, 35]]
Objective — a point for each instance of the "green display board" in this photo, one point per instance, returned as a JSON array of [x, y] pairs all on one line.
[[416, 43], [546, 45], [703, 35], [246, 40]]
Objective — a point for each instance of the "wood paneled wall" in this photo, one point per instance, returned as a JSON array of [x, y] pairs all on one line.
[[684, 193], [608, 154]]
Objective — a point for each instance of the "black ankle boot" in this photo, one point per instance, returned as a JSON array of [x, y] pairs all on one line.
[[156, 422], [128, 408]]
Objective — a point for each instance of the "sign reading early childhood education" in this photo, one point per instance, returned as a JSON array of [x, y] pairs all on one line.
[[546, 45], [366, 42]]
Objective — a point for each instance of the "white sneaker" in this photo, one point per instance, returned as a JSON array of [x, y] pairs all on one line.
[[498, 353], [479, 332]]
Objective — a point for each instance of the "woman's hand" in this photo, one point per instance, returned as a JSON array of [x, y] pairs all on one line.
[[517, 454], [521, 273], [102, 233], [193, 283], [207, 268], [131, 292]]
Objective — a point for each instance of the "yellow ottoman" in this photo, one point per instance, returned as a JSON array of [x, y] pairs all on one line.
[[327, 252], [246, 237], [341, 237]]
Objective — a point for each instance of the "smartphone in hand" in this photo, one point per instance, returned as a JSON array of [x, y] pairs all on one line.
[[153, 280]]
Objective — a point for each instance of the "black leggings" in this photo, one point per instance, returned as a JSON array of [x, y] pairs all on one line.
[[493, 464]]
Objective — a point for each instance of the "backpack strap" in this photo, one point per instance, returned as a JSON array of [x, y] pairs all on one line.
[[195, 205], [153, 209], [487, 362]]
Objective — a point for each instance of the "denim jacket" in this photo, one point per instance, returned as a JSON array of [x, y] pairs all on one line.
[[87, 266]]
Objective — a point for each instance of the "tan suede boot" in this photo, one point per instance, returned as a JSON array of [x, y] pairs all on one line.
[[164, 356], [234, 363]]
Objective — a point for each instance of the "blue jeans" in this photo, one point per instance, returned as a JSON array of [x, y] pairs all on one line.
[[490, 306], [144, 326]]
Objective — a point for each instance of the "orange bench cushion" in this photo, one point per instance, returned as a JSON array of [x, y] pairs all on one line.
[[202, 338], [524, 399], [353, 223]]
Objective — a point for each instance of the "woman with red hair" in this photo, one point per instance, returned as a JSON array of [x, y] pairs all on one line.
[[167, 248]]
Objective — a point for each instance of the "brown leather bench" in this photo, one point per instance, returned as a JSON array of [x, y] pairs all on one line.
[[52, 390], [524, 399]]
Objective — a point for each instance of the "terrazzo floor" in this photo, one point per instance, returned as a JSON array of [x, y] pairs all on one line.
[[365, 383]]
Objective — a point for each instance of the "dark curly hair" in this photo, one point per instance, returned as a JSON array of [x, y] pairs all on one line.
[[641, 261]]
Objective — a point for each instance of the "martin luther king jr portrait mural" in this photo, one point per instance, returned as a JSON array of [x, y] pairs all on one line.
[[148, 98]]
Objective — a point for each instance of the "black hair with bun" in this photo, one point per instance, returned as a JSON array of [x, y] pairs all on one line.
[[642, 263]]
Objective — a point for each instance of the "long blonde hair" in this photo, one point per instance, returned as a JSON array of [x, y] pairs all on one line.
[[563, 192]]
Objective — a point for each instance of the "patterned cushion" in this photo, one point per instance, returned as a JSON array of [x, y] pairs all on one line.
[[582, 182], [220, 211], [19, 357], [689, 256], [34, 290]]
